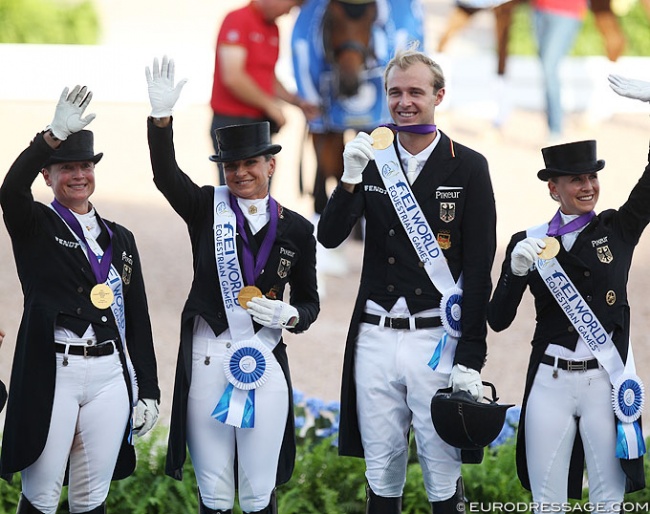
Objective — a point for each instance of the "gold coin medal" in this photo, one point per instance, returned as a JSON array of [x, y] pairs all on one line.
[[551, 249], [247, 293], [101, 296], [382, 138]]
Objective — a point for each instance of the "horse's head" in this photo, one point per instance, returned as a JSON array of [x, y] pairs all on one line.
[[347, 39]]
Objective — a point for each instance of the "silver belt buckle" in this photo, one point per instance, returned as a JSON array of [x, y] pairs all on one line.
[[576, 365]]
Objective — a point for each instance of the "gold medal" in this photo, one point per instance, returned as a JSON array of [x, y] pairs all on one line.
[[551, 249], [102, 296], [382, 138], [247, 293]]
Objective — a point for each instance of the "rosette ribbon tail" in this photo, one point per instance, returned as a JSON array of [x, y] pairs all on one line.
[[236, 407], [437, 354], [629, 440]]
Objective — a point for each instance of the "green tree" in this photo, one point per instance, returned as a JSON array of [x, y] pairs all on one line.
[[48, 22]]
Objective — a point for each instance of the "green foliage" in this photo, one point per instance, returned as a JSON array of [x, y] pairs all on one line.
[[495, 479], [635, 25], [322, 482], [48, 22], [149, 490]]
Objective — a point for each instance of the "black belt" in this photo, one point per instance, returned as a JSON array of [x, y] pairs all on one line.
[[97, 350], [401, 323], [570, 365]]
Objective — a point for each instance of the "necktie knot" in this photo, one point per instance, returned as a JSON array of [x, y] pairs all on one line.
[[411, 169]]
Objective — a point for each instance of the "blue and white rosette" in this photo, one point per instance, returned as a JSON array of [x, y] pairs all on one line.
[[628, 397], [246, 367], [450, 311]]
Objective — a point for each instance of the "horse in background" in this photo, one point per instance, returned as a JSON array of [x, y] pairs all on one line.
[[340, 49]]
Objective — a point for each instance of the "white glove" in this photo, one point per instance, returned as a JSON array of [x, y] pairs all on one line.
[[637, 89], [67, 116], [524, 254], [273, 313], [356, 155], [146, 415], [467, 379], [162, 93]]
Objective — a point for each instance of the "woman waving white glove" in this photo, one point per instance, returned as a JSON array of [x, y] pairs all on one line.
[[163, 95], [69, 111], [630, 88]]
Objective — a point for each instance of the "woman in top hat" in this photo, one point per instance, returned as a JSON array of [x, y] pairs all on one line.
[[232, 395], [84, 352], [582, 398]]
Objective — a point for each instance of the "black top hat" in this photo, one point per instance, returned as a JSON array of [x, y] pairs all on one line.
[[570, 159], [237, 142], [78, 147]]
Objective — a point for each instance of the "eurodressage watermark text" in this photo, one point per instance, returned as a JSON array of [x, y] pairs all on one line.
[[523, 507]]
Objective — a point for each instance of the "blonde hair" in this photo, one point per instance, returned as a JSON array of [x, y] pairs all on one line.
[[406, 58]]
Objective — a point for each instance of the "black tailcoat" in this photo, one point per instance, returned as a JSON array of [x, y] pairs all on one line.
[[455, 194], [56, 280], [292, 261]]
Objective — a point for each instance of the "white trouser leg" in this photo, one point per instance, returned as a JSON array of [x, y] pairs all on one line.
[[556, 408], [598, 431], [394, 389], [212, 443], [89, 416]]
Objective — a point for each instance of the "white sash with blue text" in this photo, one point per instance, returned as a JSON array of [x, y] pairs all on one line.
[[627, 393], [247, 360], [426, 246]]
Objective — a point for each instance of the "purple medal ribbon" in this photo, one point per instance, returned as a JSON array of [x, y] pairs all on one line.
[[413, 129], [554, 228], [252, 271], [100, 268]]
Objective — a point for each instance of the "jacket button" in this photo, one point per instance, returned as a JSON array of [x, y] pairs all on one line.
[[78, 311], [587, 273], [418, 291], [390, 288], [391, 260], [391, 232], [80, 289], [571, 329], [104, 319], [420, 264], [219, 315], [589, 297]]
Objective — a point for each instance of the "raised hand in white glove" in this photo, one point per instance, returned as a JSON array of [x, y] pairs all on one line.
[[163, 95], [524, 254], [356, 155], [273, 313], [67, 115], [637, 89], [467, 379], [146, 415]]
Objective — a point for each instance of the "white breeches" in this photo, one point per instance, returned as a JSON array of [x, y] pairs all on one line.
[[559, 407], [89, 416], [213, 445], [394, 389]]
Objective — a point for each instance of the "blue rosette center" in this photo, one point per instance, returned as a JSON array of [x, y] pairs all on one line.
[[451, 311], [246, 364], [628, 397]]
